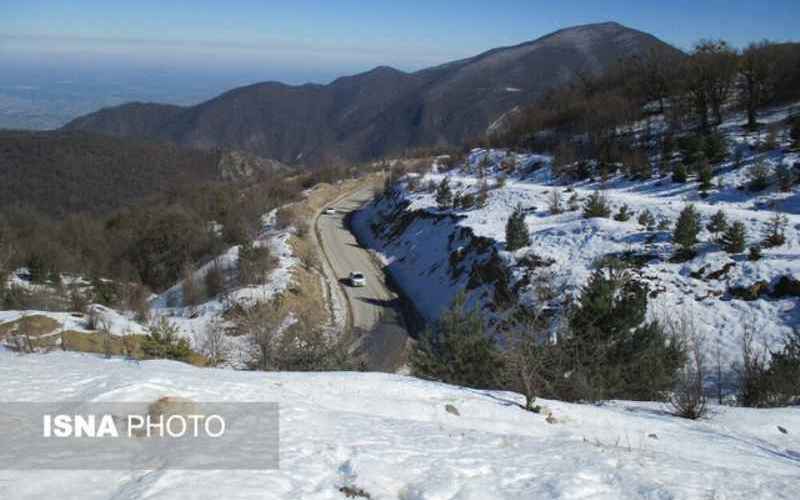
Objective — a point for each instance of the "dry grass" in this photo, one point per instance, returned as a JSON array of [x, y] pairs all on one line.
[[34, 326]]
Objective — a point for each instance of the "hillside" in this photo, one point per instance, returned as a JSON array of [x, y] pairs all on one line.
[[382, 111], [434, 252], [60, 173]]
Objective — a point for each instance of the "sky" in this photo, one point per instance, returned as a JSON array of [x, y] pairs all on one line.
[[317, 40]]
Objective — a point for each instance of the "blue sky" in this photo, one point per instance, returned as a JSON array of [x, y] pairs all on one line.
[[302, 40]]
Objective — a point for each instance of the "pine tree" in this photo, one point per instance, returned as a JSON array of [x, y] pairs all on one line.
[[596, 206], [686, 229], [517, 235], [775, 234], [754, 254], [718, 224], [679, 174], [784, 178], [624, 214], [647, 220], [458, 350], [734, 239], [444, 195], [691, 149], [715, 147], [706, 177], [758, 176], [795, 132]]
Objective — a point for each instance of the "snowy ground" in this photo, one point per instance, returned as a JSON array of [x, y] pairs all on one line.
[[419, 257], [393, 437]]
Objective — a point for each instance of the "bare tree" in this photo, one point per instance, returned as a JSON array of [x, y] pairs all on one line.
[[262, 323], [755, 68], [688, 398], [555, 201], [212, 342]]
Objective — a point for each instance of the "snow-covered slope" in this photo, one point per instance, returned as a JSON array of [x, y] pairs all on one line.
[[393, 437], [434, 253]]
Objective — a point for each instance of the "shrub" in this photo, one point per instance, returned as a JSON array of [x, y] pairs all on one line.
[[555, 202], [573, 203], [164, 342], [517, 235], [596, 206], [775, 234], [623, 215], [754, 255], [679, 174], [688, 397], [647, 220], [734, 239], [686, 229], [758, 177], [214, 280], [444, 195], [254, 263], [457, 350]]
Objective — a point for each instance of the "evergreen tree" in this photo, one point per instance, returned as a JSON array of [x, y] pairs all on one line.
[[647, 220], [754, 254], [614, 352], [444, 195], [715, 147], [758, 176], [458, 350], [775, 234], [679, 174], [706, 176], [691, 149], [517, 235], [784, 178], [686, 229], [623, 214], [718, 224], [596, 206], [795, 131], [734, 239]]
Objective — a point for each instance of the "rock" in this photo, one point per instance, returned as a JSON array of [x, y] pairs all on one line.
[[551, 419], [452, 410], [653, 436], [783, 430], [722, 272]]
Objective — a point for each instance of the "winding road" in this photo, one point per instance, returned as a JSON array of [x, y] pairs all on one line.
[[374, 310]]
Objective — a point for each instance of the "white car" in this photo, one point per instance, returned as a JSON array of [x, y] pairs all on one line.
[[357, 279], [330, 211]]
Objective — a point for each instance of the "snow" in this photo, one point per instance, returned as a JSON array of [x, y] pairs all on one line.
[[418, 258], [392, 436]]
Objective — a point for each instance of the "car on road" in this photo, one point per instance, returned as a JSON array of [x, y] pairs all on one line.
[[357, 279], [330, 211]]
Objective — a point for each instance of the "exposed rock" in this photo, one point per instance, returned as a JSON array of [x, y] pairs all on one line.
[[786, 286], [452, 410], [752, 292]]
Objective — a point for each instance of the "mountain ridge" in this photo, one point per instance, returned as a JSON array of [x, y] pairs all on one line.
[[381, 111]]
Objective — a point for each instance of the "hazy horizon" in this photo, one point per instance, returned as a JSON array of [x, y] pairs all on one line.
[[64, 59]]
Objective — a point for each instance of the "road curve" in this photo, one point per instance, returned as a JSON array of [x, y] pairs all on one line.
[[375, 309]]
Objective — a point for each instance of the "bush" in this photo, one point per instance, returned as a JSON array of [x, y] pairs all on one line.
[[444, 195], [758, 177], [686, 229], [679, 174], [734, 239], [254, 263], [517, 235], [754, 255], [457, 350], [647, 220], [596, 206], [164, 342], [554, 203], [775, 234], [623, 215], [688, 397]]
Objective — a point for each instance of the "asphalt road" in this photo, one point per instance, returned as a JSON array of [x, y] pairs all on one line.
[[375, 311]]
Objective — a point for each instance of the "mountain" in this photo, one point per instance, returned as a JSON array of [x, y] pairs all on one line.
[[381, 111]]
